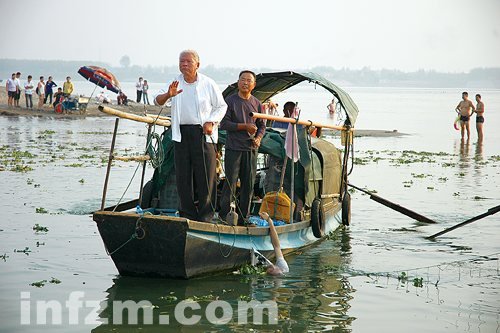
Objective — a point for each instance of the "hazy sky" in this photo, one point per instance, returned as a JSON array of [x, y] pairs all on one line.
[[445, 35]]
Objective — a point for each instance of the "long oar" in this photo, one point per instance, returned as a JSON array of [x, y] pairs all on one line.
[[395, 206], [490, 211]]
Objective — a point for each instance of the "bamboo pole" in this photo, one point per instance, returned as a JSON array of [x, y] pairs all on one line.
[[299, 122], [130, 116], [155, 116], [110, 160], [144, 165], [138, 158]]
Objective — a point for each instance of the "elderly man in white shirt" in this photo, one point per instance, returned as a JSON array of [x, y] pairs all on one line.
[[197, 108]]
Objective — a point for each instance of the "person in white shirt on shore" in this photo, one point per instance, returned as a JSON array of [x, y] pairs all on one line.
[[28, 92]]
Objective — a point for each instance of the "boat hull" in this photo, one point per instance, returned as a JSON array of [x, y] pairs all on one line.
[[166, 246]]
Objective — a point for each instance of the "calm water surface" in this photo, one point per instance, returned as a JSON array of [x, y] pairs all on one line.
[[380, 274]]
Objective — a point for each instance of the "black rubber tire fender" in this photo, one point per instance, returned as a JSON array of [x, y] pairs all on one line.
[[317, 218], [346, 209]]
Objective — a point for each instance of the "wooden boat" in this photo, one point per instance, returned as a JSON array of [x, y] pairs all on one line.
[[160, 244]]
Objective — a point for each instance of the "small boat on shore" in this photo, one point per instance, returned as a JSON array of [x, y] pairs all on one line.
[[154, 242]]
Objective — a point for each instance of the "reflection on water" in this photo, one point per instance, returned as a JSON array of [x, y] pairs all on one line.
[[310, 297], [315, 295]]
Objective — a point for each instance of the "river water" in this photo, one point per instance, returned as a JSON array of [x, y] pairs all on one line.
[[380, 274]]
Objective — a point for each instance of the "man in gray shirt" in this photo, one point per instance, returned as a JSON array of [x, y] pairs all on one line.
[[244, 134]]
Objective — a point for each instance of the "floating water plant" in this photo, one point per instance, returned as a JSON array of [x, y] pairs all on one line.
[[39, 284], [418, 282], [169, 298], [248, 269], [41, 210], [81, 181], [25, 251], [39, 228], [204, 298], [54, 280], [21, 168]]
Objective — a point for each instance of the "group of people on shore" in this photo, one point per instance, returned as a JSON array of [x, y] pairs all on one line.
[[466, 109], [44, 90]]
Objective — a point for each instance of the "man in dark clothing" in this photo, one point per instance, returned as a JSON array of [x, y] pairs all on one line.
[[48, 90], [243, 140]]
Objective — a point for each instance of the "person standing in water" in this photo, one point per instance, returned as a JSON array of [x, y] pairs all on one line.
[[464, 109], [479, 118]]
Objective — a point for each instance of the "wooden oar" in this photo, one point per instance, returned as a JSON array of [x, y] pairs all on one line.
[[395, 206], [490, 211]]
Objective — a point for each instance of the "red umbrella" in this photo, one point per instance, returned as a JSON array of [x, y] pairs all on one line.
[[101, 77]]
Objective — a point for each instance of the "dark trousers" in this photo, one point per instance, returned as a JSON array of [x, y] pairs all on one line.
[[29, 100], [139, 95], [47, 95], [242, 165], [195, 174]]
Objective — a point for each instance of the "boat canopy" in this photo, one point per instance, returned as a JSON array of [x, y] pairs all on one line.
[[271, 84]]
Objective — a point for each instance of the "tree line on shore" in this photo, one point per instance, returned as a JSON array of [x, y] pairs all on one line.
[[365, 77]]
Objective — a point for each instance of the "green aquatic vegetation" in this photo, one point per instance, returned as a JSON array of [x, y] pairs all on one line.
[[21, 168], [81, 181], [360, 161], [169, 298], [446, 165], [22, 154], [4, 257], [421, 175], [443, 179], [204, 298], [74, 165], [495, 158], [39, 228], [25, 251], [41, 210], [418, 282], [456, 194], [85, 156], [430, 187], [38, 244], [403, 277], [478, 198], [461, 174], [69, 132], [248, 269], [47, 132], [29, 181], [245, 298], [39, 284], [54, 281]]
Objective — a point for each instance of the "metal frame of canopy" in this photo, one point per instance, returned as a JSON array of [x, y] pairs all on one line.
[[271, 84]]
